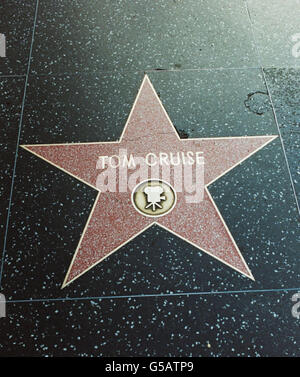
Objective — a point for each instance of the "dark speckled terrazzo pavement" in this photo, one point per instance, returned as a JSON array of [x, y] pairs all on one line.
[[11, 92], [284, 85], [72, 72]]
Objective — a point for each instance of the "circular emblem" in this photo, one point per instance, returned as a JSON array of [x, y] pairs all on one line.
[[153, 198]]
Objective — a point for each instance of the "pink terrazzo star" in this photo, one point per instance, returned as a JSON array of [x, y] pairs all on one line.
[[114, 221]]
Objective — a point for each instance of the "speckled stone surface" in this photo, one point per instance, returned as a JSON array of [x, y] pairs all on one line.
[[248, 197], [216, 103], [11, 91], [221, 313], [284, 85], [114, 221], [81, 108], [276, 31], [244, 324], [43, 237], [137, 35], [16, 23], [89, 107]]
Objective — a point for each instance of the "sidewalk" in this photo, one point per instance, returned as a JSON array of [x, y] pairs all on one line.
[[71, 74]]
